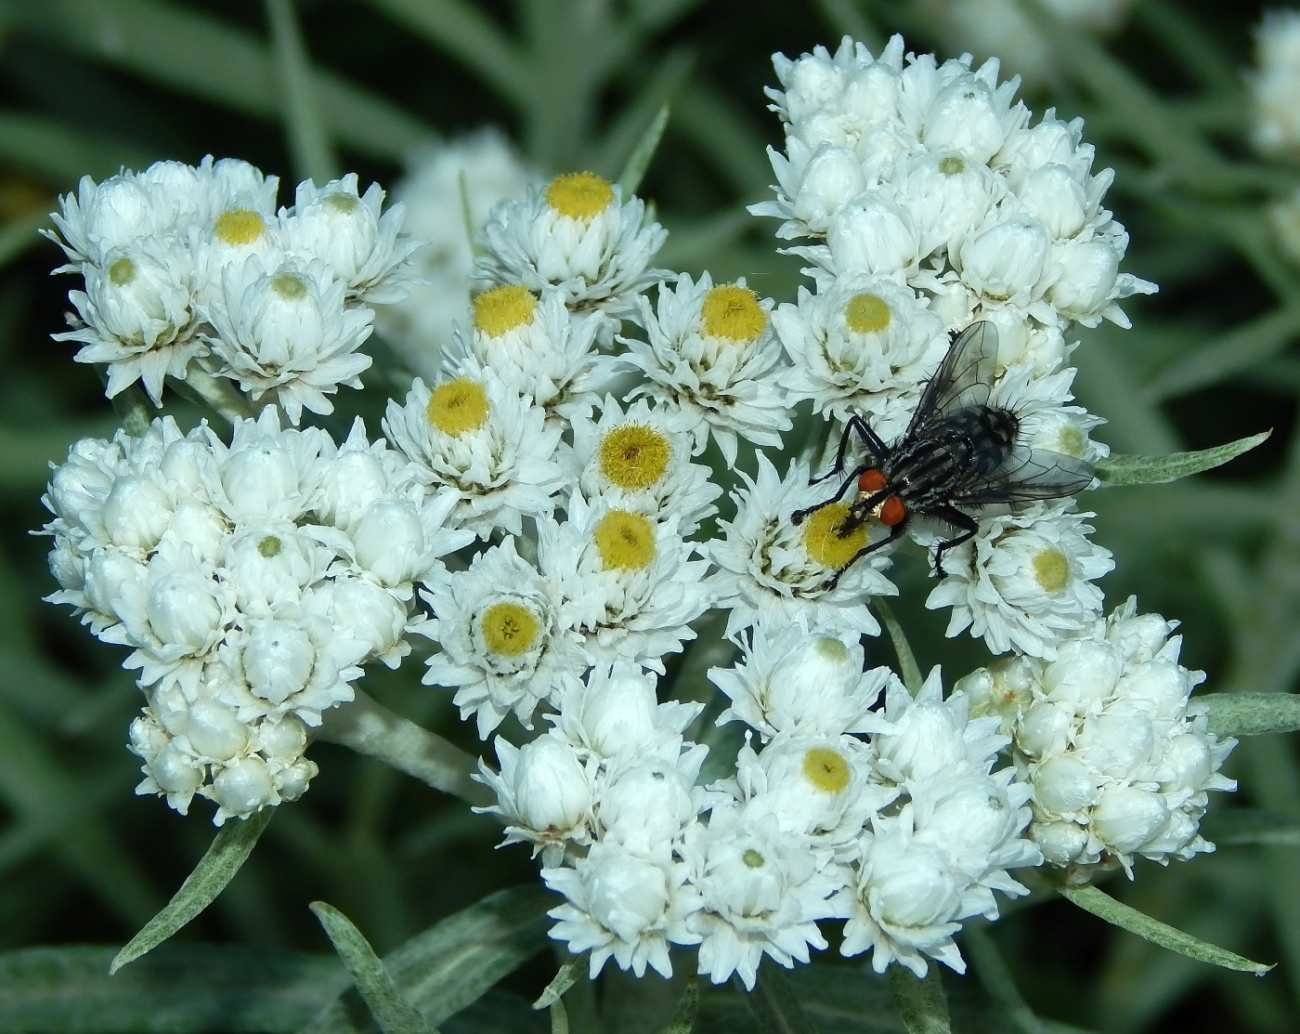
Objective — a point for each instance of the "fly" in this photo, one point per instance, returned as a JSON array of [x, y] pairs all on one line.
[[958, 452]]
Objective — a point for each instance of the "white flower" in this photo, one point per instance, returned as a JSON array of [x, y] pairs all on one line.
[[492, 446], [646, 803], [503, 646], [1275, 84], [775, 571], [711, 353], [577, 236], [1024, 580]]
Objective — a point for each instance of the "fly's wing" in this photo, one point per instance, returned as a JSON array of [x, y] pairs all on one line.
[[963, 379], [1026, 475]]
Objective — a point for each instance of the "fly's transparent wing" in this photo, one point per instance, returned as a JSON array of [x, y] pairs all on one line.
[[1028, 474], [964, 378]]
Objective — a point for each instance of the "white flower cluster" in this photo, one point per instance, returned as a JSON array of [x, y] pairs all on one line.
[[1119, 758], [191, 267], [904, 834], [251, 581], [931, 203]]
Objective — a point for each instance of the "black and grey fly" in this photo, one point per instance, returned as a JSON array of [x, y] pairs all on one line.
[[958, 452]]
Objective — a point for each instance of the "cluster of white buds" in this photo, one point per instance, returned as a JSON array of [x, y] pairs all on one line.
[[251, 581], [193, 267], [1119, 758]]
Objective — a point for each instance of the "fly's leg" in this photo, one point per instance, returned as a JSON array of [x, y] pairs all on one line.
[[968, 525], [799, 516], [855, 425], [870, 547]]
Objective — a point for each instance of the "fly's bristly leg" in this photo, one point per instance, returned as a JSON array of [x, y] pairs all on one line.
[[870, 547], [968, 525], [855, 425], [799, 516]]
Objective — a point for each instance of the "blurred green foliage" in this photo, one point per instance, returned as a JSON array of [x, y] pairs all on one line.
[[321, 86]]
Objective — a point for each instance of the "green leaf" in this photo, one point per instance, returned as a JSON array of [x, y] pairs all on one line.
[[921, 1003], [1250, 714], [60, 153], [1157, 470], [564, 978], [1233, 826], [1100, 904], [996, 977], [776, 1005], [908, 670], [180, 988], [309, 140], [639, 160], [451, 964], [393, 1013], [688, 1009], [230, 848], [1241, 348]]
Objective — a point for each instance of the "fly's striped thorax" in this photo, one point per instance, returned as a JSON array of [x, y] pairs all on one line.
[[967, 444]]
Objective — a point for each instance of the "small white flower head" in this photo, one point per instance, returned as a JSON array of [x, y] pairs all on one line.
[[577, 236], [645, 803], [284, 333], [503, 647], [793, 681], [629, 585], [492, 446], [762, 891], [267, 471], [270, 771], [772, 570], [169, 770], [615, 714], [862, 348], [138, 315], [623, 904], [872, 235], [545, 794], [641, 460], [448, 191], [712, 353], [338, 225], [537, 347], [1025, 581], [949, 195], [1275, 84]]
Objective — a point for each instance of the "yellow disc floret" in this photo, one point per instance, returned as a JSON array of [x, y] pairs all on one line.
[[509, 629], [289, 286], [239, 226], [121, 271], [579, 195], [1051, 569], [825, 539], [342, 202], [731, 311], [867, 313], [458, 406], [634, 456], [503, 308], [952, 165], [625, 541], [826, 769]]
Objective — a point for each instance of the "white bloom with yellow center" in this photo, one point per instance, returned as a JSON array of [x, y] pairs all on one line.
[[629, 585], [773, 571], [641, 460], [577, 236], [712, 353], [503, 647], [1024, 580], [481, 438]]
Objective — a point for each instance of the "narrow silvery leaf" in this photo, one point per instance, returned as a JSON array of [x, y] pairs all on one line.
[[688, 1008], [393, 1013], [1090, 899], [639, 160], [1249, 714], [230, 848], [921, 1003], [1251, 826], [561, 982], [908, 670], [776, 1006], [1156, 470]]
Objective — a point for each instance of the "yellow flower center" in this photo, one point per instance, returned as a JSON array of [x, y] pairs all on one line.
[[753, 859], [458, 406], [342, 202], [121, 271], [1051, 569], [625, 541], [239, 226], [731, 311], [824, 541], [826, 769], [509, 628], [952, 165], [1070, 440], [867, 313], [634, 456], [831, 650], [503, 308], [579, 195], [289, 286], [269, 546]]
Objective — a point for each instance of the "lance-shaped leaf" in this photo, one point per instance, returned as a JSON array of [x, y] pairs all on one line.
[[1157, 470], [1101, 904], [639, 160], [921, 1002], [230, 849], [776, 1006], [1250, 714], [1251, 826]]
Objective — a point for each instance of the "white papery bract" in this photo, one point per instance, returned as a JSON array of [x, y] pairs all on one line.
[[1120, 759], [217, 566]]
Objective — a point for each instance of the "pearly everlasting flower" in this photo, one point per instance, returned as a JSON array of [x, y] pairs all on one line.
[[576, 236], [711, 353]]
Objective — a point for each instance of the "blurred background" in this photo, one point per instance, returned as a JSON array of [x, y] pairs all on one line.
[[1173, 101]]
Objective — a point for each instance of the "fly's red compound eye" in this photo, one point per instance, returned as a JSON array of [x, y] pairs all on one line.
[[871, 481], [892, 511]]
